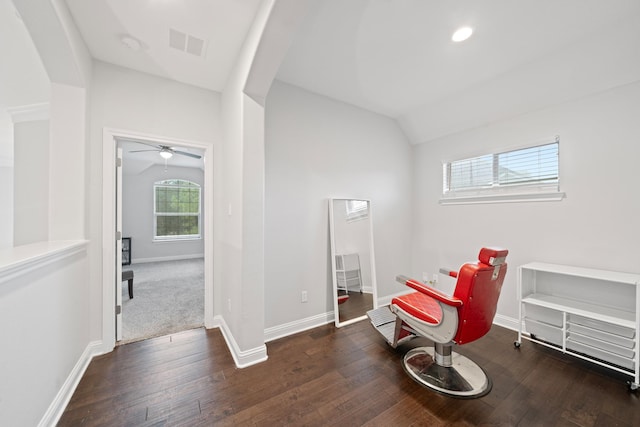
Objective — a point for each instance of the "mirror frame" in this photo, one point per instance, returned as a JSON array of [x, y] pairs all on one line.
[[372, 264]]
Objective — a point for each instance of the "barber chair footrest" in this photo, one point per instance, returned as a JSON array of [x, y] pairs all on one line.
[[463, 379], [384, 321]]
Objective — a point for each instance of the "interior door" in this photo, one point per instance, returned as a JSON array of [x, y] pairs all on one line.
[[118, 284]]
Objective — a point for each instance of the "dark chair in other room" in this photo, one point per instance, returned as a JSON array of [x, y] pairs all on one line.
[[128, 276]]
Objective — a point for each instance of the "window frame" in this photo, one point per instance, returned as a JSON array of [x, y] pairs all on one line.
[[156, 214], [495, 192]]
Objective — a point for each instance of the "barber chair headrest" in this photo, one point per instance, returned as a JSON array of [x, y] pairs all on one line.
[[492, 256]]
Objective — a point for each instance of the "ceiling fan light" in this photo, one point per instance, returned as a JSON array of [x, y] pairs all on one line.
[[462, 34], [166, 154]]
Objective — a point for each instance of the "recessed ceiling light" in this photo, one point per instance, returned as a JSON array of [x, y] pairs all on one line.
[[131, 42], [462, 34]]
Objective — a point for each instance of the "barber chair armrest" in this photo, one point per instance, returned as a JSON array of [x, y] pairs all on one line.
[[450, 273], [427, 290]]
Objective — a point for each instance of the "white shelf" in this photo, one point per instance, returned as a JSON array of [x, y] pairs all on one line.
[[594, 311], [588, 313], [589, 273]]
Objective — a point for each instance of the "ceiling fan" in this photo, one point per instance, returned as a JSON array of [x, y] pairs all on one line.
[[166, 152]]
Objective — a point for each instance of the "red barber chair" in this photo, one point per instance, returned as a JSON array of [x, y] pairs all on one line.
[[447, 321]]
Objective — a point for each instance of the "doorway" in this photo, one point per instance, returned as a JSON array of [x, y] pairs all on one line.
[[162, 211], [112, 267]]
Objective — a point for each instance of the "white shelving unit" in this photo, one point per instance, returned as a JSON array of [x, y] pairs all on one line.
[[348, 272], [587, 313]]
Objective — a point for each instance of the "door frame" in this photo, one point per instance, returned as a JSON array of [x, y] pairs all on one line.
[[109, 279]]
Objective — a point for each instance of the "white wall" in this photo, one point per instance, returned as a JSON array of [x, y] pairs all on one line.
[[317, 148], [6, 176], [67, 156], [241, 289], [595, 226], [137, 214], [44, 312], [129, 100], [31, 182]]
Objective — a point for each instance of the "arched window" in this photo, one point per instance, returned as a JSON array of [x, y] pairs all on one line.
[[176, 210]]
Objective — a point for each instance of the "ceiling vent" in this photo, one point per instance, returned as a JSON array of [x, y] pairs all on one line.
[[186, 42]]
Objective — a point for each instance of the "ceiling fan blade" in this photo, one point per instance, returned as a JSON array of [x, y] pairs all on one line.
[[140, 151], [184, 153]]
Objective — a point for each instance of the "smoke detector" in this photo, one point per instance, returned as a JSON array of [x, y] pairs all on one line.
[[131, 42]]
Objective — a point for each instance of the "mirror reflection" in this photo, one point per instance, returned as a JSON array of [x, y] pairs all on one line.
[[353, 259]]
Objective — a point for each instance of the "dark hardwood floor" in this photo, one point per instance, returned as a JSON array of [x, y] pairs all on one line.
[[357, 305], [342, 377]]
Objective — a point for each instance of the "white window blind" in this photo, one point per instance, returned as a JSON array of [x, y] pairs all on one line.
[[357, 209], [524, 174]]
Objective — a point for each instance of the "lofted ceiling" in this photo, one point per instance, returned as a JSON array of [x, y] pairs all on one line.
[[23, 79], [393, 57], [111, 28]]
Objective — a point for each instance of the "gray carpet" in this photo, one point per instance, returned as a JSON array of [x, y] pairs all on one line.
[[168, 297]]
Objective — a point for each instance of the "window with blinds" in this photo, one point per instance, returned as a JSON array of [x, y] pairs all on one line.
[[525, 174]]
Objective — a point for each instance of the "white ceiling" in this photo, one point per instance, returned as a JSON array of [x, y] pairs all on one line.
[[394, 57], [23, 79], [222, 24]]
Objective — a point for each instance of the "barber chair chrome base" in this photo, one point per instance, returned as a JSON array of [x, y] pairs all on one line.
[[455, 375], [447, 320]]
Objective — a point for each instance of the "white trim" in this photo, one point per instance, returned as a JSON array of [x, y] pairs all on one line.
[[554, 196], [29, 113], [281, 331], [60, 402], [172, 239], [386, 300], [166, 258], [109, 138], [24, 259], [506, 322], [242, 358]]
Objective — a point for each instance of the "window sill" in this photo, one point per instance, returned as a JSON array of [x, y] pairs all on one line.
[[554, 196], [185, 239], [21, 260]]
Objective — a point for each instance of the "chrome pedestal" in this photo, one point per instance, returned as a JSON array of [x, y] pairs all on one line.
[[446, 372]]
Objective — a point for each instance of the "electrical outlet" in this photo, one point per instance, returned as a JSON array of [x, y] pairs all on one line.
[[303, 296], [434, 280]]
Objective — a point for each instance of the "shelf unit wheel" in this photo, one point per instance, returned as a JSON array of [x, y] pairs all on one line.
[[516, 344], [633, 386]]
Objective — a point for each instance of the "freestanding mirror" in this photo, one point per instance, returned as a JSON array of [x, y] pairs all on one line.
[[352, 259]]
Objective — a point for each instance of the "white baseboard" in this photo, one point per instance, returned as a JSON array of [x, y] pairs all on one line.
[[166, 258], [291, 328], [506, 322], [59, 404], [386, 300], [242, 358]]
